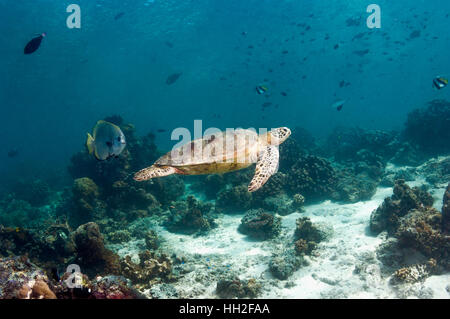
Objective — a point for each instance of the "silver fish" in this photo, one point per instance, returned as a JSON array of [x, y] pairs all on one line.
[[107, 141]]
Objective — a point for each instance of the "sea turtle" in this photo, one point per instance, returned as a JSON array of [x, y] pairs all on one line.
[[222, 152]]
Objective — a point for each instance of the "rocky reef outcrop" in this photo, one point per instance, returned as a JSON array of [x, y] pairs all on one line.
[[387, 216], [260, 224], [428, 128], [20, 279], [233, 287], [91, 253], [312, 177], [416, 232], [190, 216], [152, 268], [307, 235]]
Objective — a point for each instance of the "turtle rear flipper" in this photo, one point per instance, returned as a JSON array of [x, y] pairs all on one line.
[[154, 171], [266, 166]]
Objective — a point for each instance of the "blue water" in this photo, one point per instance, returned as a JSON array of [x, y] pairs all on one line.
[[50, 99]]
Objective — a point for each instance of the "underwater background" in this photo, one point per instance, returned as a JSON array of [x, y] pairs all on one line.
[[360, 205]]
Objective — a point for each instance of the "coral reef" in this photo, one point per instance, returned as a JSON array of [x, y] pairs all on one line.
[[407, 154], [351, 189], [283, 204], [415, 226], [233, 287], [35, 192], [307, 235], [17, 213], [421, 229], [390, 176], [48, 246], [127, 197], [151, 240], [152, 268], [112, 287], [260, 224], [210, 185], [190, 216], [166, 189], [91, 252], [107, 287], [283, 264], [274, 186], [86, 202], [436, 170], [313, 177], [20, 279], [446, 210], [413, 273], [356, 144], [386, 217], [312, 233], [118, 236], [235, 199], [428, 128]]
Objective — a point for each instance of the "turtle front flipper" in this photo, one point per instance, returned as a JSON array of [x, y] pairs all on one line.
[[154, 171], [266, 166]]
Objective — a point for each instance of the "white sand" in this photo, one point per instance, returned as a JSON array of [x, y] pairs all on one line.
[[330, 274]]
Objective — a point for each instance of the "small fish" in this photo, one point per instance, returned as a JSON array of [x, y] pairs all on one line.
[[34, 44], [283, 93], [440, 82], [361, 52], [119, 15], [169, 44], [13, 153], [261, 89], [161, 130], [107, 141], [171, 79], [338, 105]]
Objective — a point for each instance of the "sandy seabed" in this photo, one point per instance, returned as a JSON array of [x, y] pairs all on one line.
[[345, 266]]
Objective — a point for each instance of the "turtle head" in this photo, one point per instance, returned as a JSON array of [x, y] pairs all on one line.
[[276, 136]]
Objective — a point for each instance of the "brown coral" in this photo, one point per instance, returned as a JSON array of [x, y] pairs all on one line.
[[91, 251]]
